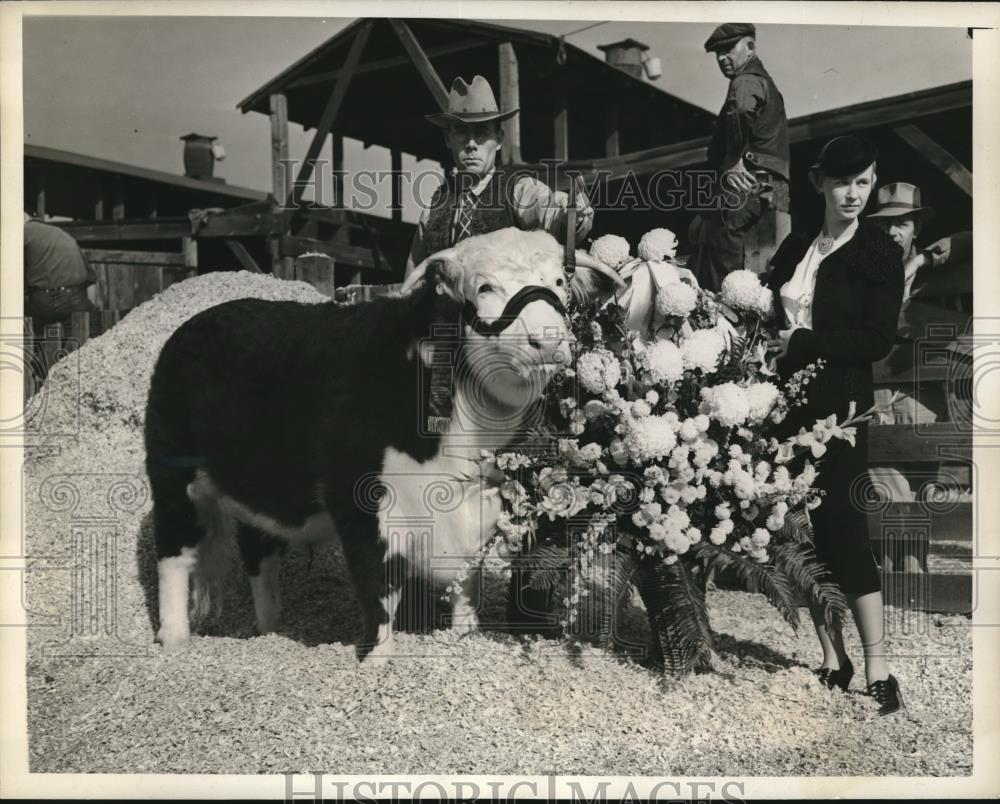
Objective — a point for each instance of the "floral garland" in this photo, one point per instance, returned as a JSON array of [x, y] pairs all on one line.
[[658, 440]]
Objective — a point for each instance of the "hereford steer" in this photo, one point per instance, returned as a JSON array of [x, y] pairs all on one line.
[[275, 420]]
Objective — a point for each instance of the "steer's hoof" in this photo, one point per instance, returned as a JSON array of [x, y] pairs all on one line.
[[375, 655], [173, 639], [465, 625]]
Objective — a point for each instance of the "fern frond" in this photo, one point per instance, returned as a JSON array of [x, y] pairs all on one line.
[[678, 612], [798, 562], [758, 578]]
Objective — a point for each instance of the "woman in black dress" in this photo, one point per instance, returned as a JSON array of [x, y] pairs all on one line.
[[841, 292]]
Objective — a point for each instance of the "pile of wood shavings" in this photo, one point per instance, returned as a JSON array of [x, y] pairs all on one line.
[[488, 703]]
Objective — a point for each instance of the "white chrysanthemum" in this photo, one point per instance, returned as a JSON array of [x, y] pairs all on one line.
[[650, 437], [741, 290], [760, 538], [702, 348], [610, 249], [640, 408], [676, 298], [652, 397], [658, 244], [765, 303], [598, 371], [728, 403], [689, 430], [762, 396], [664, 361]]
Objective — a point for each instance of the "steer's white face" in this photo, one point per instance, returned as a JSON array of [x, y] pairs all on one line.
[[511, 368]]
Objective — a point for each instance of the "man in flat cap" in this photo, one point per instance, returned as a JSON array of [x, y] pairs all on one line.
[[478, 196], [749, 150]]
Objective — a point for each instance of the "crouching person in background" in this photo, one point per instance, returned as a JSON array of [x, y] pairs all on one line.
[[56, 274]]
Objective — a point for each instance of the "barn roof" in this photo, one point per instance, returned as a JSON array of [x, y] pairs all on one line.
[[387, 99], [72, 182]]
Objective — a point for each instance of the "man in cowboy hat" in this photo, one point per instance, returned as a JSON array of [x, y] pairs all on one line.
[[479, 196], [899, 210], [749, 149]]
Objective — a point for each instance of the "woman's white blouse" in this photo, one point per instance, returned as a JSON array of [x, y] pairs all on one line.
[[797, 293]]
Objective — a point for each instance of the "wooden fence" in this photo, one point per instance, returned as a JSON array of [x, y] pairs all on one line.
[[925, 542], [125, 279]]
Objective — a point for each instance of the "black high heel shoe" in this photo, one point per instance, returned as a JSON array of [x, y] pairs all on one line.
[[887, 694], [841, 678]]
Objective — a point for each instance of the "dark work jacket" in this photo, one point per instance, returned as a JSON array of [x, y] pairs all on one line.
[[494, 211], [752, 123], [855, 311]]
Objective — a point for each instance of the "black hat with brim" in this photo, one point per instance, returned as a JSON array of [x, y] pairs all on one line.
[[845, 156]]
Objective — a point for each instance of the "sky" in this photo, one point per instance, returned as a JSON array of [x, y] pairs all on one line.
[[127, 88]]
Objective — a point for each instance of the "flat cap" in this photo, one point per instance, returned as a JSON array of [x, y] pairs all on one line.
[[727, 33]]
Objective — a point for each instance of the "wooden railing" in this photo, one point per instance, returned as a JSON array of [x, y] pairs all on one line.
[[926, 544]]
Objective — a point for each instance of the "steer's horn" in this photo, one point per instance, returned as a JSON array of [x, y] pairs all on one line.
[[446, 257], [584, 260]]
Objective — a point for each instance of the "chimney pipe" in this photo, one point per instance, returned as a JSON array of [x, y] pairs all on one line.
[[626, 55], [200, 154]]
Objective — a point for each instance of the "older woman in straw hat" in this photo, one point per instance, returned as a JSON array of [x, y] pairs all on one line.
[[840, 291], [478, 196]]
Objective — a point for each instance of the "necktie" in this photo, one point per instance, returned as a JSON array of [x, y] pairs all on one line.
[[467, 205]]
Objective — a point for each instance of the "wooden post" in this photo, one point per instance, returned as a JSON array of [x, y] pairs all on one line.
[[117, 199], [397, 178], [338, 172], [612, 143], [510, 98], [99, 202], [330, 113], [561, 122], [189, 246], [40, 196], [281, 180]]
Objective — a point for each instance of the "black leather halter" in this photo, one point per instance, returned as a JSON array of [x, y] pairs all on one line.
[[511, 310]]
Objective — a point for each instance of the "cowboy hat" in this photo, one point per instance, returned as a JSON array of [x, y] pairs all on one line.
[[470, 103], [900, 199]]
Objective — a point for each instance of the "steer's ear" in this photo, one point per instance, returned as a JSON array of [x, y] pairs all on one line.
[[441, 268], [593, 279]]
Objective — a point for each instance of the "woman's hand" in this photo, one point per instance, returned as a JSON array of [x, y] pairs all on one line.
[[781, 342]]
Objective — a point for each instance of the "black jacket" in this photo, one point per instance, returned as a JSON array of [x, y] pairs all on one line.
[[751, 124], [856, 303]]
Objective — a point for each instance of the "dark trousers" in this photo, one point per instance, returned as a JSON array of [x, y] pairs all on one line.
[[716, 236], [54, 306]]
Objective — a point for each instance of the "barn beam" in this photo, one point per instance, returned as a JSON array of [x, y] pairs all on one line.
[[510, 98], [421, 62], [280, 177], [396, 207], [330, 113], [384, 64], [561, 122], [937, 155], [337, 170], [240, 252]]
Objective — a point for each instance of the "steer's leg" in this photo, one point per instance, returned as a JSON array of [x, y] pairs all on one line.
[[261, 554], [378, 575], [177, 533], [465, 605]]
